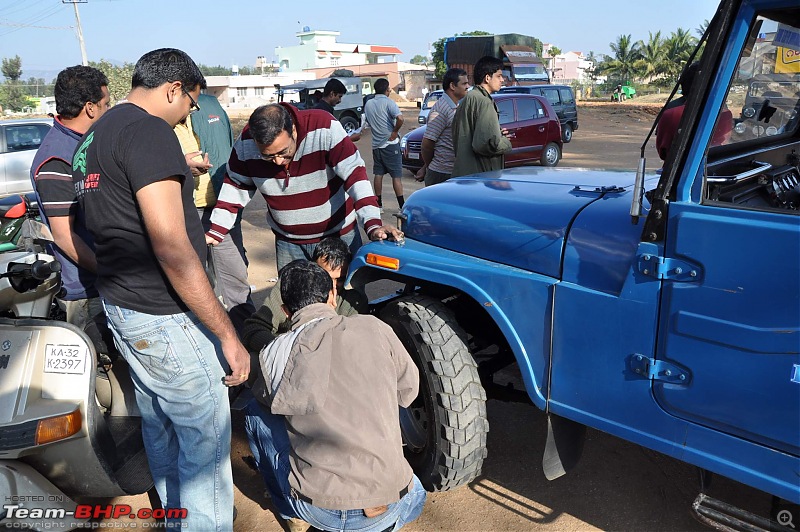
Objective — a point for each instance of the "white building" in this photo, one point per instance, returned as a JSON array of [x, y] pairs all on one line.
[[241, 92], [567, 67], [319, 49]]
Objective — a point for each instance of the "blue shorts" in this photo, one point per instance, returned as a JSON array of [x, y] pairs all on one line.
[[387, 161]]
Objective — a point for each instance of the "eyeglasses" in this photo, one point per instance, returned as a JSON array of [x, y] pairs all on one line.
[[284, 154], [193, 107]]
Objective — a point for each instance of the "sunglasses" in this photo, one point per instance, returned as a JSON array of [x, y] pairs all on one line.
[[193, 107]]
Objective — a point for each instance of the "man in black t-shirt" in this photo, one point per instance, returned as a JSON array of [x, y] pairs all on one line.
[[135, 191]]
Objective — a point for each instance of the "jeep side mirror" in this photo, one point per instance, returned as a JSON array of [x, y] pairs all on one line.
[[419, 104]]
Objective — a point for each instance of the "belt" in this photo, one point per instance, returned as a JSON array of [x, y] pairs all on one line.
[[300, 497]]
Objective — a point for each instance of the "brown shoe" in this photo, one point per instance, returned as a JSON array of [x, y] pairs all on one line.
[[295, 524]]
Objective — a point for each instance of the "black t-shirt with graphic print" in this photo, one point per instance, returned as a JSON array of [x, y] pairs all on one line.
[[122, 153]]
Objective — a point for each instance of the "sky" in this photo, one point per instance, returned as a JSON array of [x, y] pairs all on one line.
[[226, 32]]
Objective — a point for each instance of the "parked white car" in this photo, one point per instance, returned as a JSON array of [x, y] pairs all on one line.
[[19, 140]]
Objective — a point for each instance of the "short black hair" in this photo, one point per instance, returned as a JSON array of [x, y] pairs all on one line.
[[452, 76], [77, 85], [304, 283], [166, 65], [381, 86], [486, 66], [268, 121], [333, 251], [334, 86]]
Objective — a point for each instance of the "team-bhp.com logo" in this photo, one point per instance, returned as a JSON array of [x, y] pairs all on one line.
[[88, 511]]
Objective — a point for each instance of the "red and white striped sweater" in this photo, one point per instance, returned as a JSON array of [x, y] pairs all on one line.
[[324, 190]]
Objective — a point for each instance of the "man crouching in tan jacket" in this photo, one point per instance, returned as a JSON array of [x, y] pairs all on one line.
[[339, 381]]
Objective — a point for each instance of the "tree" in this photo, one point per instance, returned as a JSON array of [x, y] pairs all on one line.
[[12, 97], [553, 52], [678, 48], [623, 63], [246, 71], [218, 70], [119, 78], [419, 60], [652, 59]]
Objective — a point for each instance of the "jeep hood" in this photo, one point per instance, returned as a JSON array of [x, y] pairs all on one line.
[[519, 217]]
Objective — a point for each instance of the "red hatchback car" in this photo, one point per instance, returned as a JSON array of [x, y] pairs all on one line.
[[533, 126]]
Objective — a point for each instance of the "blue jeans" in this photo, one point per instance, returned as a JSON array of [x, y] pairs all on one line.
[[269, 442], [286, 252], [177, 369]]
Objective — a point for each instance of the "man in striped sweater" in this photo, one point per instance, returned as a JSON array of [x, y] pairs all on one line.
[[311, 176]]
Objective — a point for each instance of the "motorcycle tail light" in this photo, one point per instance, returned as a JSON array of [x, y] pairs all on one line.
[[59, 427], [383, 262]]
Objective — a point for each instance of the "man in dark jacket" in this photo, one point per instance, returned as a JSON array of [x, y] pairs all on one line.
[[478, 139]]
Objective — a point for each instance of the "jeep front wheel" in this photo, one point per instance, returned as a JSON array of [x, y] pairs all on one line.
[[444, 429]]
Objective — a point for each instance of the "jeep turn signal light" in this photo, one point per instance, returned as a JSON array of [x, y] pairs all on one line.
[[59, 427], [383, 262]]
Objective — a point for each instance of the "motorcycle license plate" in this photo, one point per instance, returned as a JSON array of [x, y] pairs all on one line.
[[61, 358]]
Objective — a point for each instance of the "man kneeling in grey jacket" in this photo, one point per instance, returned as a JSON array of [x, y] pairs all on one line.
[[339, 381]]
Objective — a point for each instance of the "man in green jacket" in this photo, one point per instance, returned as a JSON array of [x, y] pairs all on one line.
[[478, 139]]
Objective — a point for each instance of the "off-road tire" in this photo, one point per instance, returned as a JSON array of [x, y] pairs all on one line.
[[349, 123], [566, 133], [450, 409]]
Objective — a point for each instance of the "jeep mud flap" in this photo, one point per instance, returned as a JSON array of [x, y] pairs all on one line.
[[564, 446]]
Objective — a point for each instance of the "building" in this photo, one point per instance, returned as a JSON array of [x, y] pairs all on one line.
[[567, 67], [242, 92], [319, 49]]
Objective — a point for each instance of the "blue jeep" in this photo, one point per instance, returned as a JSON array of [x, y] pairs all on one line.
[[670, 318]]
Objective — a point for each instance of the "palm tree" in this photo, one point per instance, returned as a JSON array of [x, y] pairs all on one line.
[[651, 63], [678, 47], [553, 52], [623, 62]]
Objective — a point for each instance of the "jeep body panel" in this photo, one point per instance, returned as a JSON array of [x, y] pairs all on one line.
[[682, 333]]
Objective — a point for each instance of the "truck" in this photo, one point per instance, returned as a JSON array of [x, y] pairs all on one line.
[[350, 110], [521, 64], [660, 307]]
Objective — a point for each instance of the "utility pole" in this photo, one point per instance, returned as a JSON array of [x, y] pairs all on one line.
[[75, 3]]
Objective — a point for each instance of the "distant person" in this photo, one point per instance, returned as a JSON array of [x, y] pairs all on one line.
[[206, 139], [667, 128], [385, 120], [332, 96], [311, 176], [135, 190], [437, 143], [82, 97], [478, 139], [334, 386]]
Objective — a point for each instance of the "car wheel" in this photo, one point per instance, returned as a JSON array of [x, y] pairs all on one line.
[[349, 124], [566, 132], [551, 155], [444, 429]]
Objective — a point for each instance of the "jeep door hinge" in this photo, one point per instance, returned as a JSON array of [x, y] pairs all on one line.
[[658, 370], [667, 268]]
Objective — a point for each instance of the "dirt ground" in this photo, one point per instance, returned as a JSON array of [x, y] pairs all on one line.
[[616, 485]]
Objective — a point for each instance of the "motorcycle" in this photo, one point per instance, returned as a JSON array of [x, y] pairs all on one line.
[[69, 425]]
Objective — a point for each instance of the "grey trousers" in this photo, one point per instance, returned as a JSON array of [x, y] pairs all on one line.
[[230, 260]]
